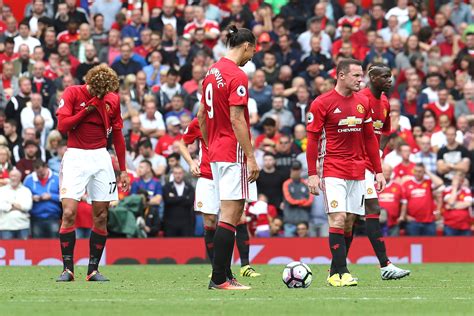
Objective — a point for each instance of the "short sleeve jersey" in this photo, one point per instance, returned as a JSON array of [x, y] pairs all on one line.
[[190, 135], [340, 120], [92, 131], [380, 111], [224, 85]]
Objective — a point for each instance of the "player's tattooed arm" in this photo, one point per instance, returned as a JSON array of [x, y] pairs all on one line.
[[241, 131], [202, 122]]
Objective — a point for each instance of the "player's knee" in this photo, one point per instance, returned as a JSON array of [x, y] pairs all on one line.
[[210, 220], [100, 219], [372, 207], [338, 220], [69, 216]]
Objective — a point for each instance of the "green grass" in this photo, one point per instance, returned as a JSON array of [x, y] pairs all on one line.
[[432, 289]]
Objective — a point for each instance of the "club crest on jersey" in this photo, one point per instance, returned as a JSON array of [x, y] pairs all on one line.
[[370, 191], [334, 204], [241, 91], [199, 204], [310, 117], [378, 124], [360, 108], [385, 112]]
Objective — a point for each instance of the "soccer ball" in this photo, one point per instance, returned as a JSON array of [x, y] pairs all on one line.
[[297, 275]]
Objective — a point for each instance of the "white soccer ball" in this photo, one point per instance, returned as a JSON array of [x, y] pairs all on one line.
[[297, 275]]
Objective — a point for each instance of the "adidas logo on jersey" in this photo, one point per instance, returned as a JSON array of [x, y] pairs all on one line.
[[337, 111]]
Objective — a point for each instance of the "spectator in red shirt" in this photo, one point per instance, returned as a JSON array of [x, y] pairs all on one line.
[[70, 35], [5, 165], [211, 28], [270, 134], [145, 48], [7, 54], [390, 200], [404, 170], [350, 17], [442, 106], [418, 209], [192, 85], [452, 42], [457, 199], [346, 34], [165, 143]]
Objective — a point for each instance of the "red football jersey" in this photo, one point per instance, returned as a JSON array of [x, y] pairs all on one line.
[[190, 135], [165, 144], [92, 131], [390, 200], [402, 170], [419, 197], [457, 218], [380, 109], [225, 85], [340, 120], [448, 110]]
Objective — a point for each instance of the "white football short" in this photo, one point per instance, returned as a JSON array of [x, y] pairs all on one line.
[[231, 181], [88, 170], [342, 195], [370, 192], [206, 200]]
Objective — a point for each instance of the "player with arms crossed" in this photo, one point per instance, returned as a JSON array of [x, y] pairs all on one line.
[[207, 201], [380, 83], [340, 131], [88, 114], [224, 123]]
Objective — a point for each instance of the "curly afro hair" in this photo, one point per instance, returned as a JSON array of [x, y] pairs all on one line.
[[101, 80]]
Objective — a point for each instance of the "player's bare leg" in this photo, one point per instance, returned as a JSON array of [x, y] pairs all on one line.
[[224, 239], [339, 274], [242, 240], [67, 238], [388, 270], [97, 240]]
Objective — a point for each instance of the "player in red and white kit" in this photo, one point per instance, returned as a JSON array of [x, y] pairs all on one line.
[[207, 202], [88, 114], [224, 123], [380, 83], [340, 131]]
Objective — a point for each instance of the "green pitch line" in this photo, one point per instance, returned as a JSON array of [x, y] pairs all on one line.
[[432, 289]]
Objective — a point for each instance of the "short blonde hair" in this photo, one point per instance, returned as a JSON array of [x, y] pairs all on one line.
[[6, 150], [101, 80]]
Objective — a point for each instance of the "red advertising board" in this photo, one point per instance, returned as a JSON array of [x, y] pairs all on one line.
[[262, 251]]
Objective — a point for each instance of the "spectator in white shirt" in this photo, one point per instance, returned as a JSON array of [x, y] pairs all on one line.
[[400, 11], [28, 114], [25, 38], [438, 139], [152, 122], [314, 29], [15, 203], [392, 29]]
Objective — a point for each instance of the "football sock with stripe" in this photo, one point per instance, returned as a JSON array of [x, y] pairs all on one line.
[[67, 239], [209, 233], [337, 245], [242, 239], [96, 248], [374, 232], [224, 240]]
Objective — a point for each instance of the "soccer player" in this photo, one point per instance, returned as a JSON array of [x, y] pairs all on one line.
[[380, 83], [89, 114], [207, 202], [340, 131], [224, 123]]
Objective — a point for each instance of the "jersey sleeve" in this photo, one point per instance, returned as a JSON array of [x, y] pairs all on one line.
[[387, 125], [113, 100], [316, 117], [192, 132], [238, 94], [66, 104], [368, 109]]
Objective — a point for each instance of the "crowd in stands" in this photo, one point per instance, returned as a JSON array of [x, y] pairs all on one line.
[[161, 50]]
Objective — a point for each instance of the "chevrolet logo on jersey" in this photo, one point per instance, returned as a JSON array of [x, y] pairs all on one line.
[[378, 124], [350, 121]]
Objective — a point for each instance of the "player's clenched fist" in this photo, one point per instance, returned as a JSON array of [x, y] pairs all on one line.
[[313, 184], [253, 170], [380, 179], [124, 181]]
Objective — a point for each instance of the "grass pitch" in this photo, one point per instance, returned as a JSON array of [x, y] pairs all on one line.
[[432, 289]]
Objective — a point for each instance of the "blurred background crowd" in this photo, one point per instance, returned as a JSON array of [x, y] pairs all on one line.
[[161, 50]]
